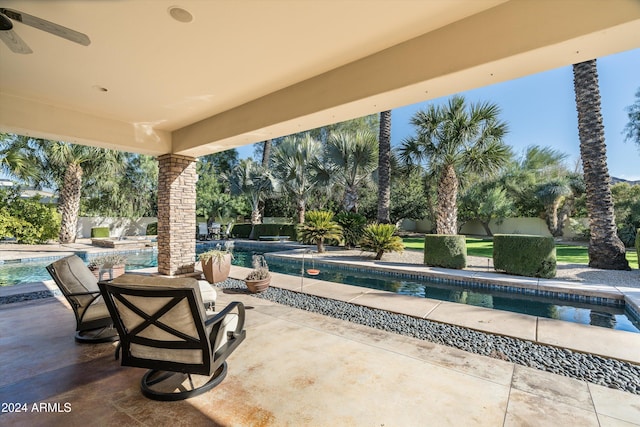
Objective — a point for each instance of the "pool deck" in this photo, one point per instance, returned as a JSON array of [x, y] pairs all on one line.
[[298, 368], [301, 368]]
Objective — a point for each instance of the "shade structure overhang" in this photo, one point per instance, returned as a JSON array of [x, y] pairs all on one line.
[[243, 72]]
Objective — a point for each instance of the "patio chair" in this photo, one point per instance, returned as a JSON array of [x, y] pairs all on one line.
[[163, 327], [203, 231], [227, 231], [80, 288]]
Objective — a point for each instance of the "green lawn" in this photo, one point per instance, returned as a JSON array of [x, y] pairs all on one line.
[[484, 247]]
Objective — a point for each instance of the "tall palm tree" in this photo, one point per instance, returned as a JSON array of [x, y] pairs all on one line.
[[606, 250], [266, 153], [350, 160], [384, 167], [69, 163], [452, 140], [295, 166], [252, 181], [61, 165]]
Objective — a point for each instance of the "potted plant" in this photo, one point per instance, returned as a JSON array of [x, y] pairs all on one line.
[[259, 278], [113, 264], [216, 263]]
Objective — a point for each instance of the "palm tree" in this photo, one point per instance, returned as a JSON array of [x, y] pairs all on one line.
[[295, 162], [18, 157], [266, 153], [252, 181], [318, 227], [384, 167], [381, 238], [70, 162], [452, 140], [64, 166], [606, 250], [551, 194], [350, 159]]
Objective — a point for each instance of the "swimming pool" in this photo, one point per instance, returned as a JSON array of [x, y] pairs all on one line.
[[611, 316]]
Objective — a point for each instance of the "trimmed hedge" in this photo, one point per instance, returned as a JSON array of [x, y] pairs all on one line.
[[445, 250], [638, 245], [152, 229], [100, 232], [242, 231], [523, 255]]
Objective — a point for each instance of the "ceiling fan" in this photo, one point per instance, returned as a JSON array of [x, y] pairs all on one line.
[[17, 45]]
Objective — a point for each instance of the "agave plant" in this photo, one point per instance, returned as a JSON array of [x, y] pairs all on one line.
[[319, 226], [381, 238]]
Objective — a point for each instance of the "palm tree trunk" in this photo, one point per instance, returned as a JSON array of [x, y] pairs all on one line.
[[446, 221], [384, 167], [606, 250], [350, 201], [300, 209], [266, 153], [69, 205]]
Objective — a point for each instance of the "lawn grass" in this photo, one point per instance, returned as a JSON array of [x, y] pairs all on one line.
[[484, 247]]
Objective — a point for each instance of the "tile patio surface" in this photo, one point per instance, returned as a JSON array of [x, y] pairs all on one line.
[[303, 369]]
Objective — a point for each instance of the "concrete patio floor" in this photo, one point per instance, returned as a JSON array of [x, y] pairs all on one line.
[[294, 369]]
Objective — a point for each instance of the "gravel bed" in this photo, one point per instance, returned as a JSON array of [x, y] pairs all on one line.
[[610, 373]]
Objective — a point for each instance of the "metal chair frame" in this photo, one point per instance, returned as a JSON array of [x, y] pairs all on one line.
[[213, 360]]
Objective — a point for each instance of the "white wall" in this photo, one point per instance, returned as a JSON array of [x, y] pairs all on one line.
[[118, 227]]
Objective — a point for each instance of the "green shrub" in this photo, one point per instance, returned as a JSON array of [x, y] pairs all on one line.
[[319, 226], [28, 220], [445, 250], [638, 245], [152, 229], [98, 232], [532, 256], [381, 238], [241, 231], [352, 227]]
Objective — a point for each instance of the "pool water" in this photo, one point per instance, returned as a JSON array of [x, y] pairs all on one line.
[[612, 317]]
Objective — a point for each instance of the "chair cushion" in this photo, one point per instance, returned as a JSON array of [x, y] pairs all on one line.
[[207, 292], [97, 310], [179, 317], [75, 277]]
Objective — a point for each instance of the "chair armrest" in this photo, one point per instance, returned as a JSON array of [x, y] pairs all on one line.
[[217, 318]]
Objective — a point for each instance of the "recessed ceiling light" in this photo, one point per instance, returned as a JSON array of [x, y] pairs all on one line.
[[180, 14]]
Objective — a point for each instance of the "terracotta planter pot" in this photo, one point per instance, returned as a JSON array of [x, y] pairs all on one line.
[[215, 271], [257, 286]]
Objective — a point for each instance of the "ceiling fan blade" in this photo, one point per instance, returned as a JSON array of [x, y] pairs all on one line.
[[50, 27], [14, 42]]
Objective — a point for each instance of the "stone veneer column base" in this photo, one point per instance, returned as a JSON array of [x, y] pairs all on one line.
[[176, 214]]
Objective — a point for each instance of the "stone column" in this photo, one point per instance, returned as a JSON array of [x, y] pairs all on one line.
[[176, 214]]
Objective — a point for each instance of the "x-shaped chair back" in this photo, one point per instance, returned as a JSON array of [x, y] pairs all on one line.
[[161, 328]]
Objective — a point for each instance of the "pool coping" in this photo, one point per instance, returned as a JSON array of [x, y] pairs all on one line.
[[389, 301], [616, 344], [585, 292]]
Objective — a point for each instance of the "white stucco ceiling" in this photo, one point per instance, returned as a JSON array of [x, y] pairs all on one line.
[[246, 70]]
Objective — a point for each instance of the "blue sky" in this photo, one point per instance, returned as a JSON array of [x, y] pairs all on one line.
[[540, 110]]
